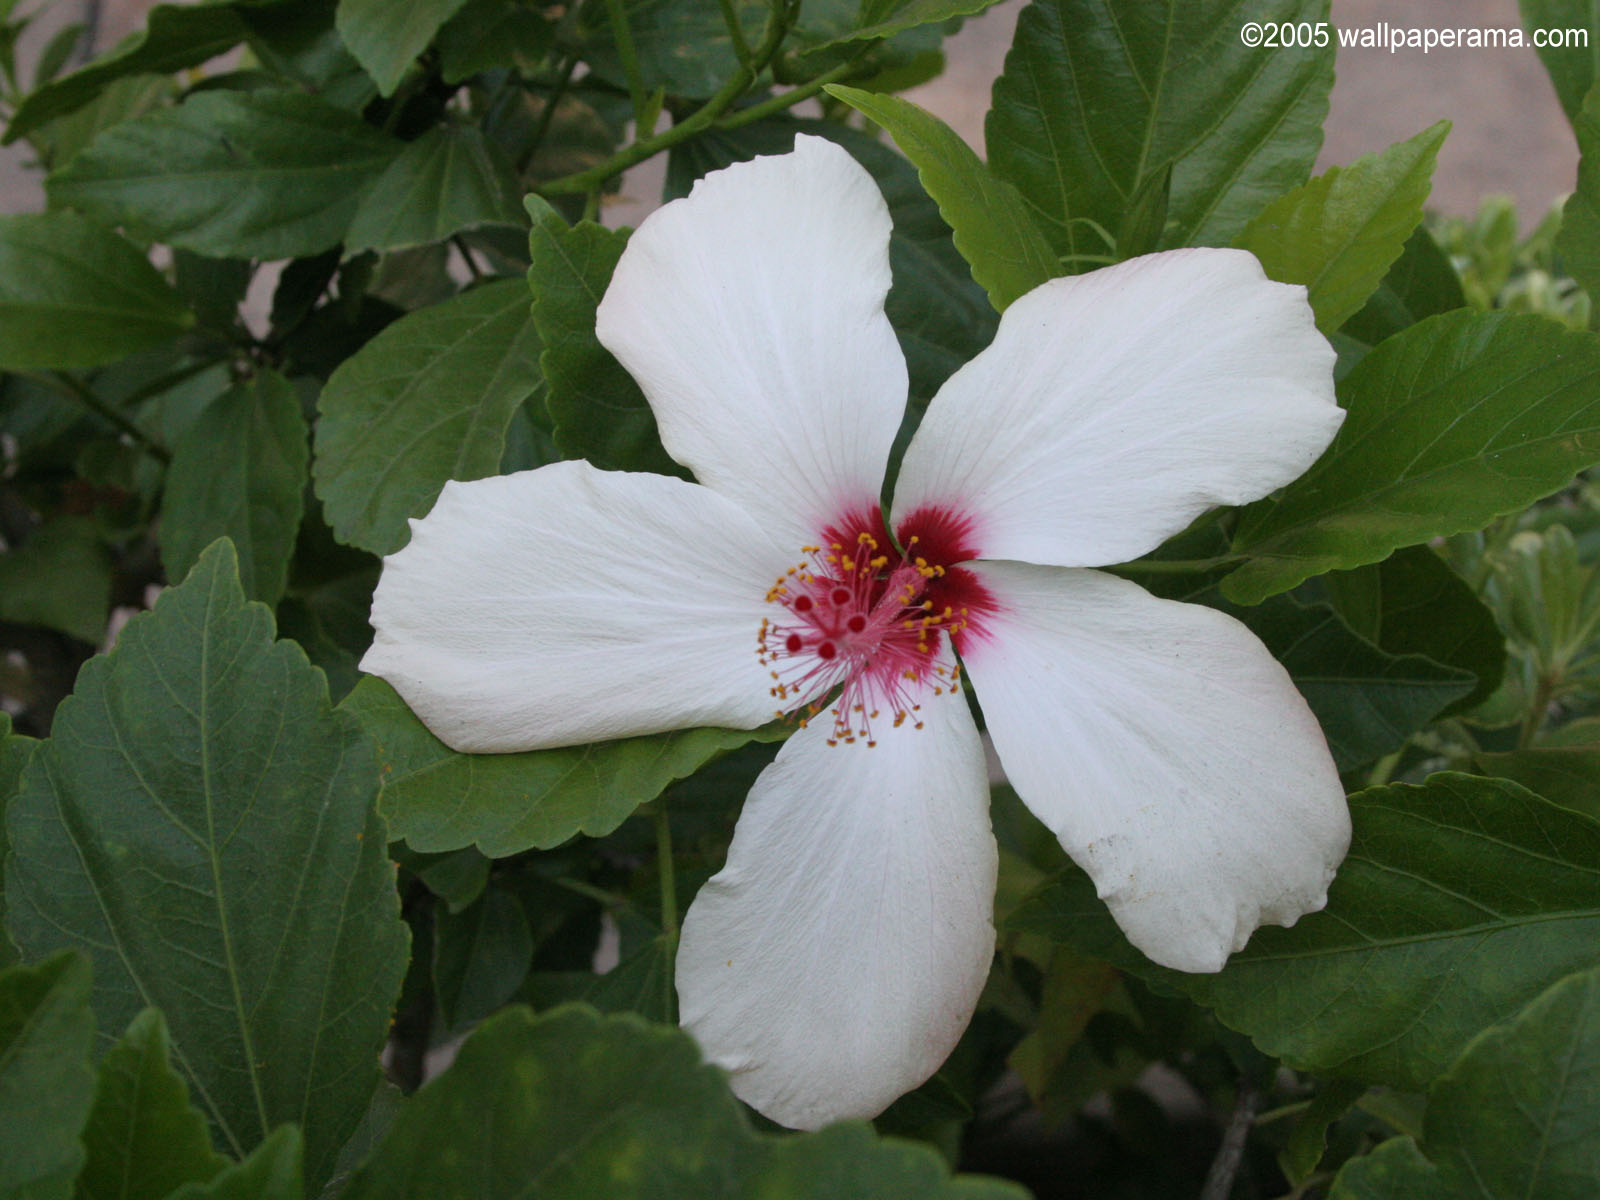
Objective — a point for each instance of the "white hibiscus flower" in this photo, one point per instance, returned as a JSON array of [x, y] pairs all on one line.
[[835, 960]]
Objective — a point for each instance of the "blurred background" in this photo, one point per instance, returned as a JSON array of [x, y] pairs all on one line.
[[1509, 134]]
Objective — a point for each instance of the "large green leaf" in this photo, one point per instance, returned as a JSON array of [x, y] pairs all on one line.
[[1456, 421], [1367, 701], [491, 33], [1339, 233], [75, 295], [269, 174], [59, 578], [1459, 902], [203, 825], [437, 799], [175, 36], [598, 410], [480, 957], [682, 46], [589, 1106], [1516, 1117], [144, 1138], [1569, 775], [384, 36], [1572, 68], [449, 179], [1099, 100], [885, 18], [240, 472], [1422, 283], [1578, 242], [1413, 603], [46, 1083], [15, 750], [426, 401], [993, 228], [271, 1172], [939, 314]]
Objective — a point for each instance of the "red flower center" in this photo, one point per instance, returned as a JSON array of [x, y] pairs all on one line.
[[865, 619]]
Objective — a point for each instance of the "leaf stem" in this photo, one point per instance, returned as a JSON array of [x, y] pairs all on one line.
[[617, 14], [65, 385], [696, 122], [1534, 720], [551, 103], [1179, 566], [785, 100], [669, 901], [741, 47]]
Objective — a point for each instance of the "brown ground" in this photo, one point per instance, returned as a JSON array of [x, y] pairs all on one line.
[[1510, 135]]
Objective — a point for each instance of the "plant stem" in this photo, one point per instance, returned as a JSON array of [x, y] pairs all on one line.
[[1179, 566], [669, 901], [786, 100], [1534, 720], [617, 14], [696, 122], [1219, 1180], [65, 385], [170, 380], [730, 17], [547, 115]]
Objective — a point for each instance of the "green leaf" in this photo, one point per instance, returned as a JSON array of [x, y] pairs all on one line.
[[385, 37], [426, 401], [1422, 283], [1367, 701], [641, 983], [15, 750], [175, 36], [1568, 775], [59, 578], [1515, 1117], [480, 957], [592, 1106], [144, 1138], [240, 472], [1459, 902], [437, 799], [201, 822], [492, 33], [270, 174], [121, 100], [75, 295], [1413, 603], [885, 18], [1578, 242], [1571, 68], [449, 179], [598, 410], [1339, 234], [1456, 421], [682, 46], [1099, 97], [993, 228], [271, 1172], [939, 314], [46, 1083], [1308, 1141]]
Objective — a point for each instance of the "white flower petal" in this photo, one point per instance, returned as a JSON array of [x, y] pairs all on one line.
[[833, 963], [751, 313], [1169, 752], [569, 605], [1115, 407]]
